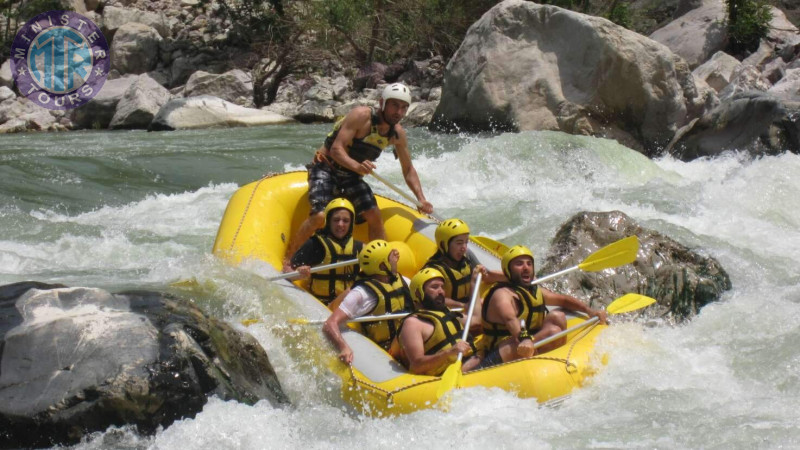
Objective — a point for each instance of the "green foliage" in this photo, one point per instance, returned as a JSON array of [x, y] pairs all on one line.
[[748, 23], [253, 20], [16, 14], [620, 15]]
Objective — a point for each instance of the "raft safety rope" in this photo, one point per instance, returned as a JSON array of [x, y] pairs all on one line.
[[569, 366], [247, 208]]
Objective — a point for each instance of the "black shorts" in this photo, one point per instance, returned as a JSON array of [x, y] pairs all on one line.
[[326, 183]]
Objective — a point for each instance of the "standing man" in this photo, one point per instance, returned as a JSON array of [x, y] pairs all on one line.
[[379, 290], [348, 154], [507, 304]]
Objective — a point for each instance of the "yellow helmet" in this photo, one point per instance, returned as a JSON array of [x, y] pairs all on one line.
[[513, 252], [373, 255], [339, 203], [447, 230], [418, 282]]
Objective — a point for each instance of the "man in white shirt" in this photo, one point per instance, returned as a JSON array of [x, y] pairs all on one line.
[[380, 291]]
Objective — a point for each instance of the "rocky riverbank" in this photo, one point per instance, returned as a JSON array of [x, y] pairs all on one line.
[[522, 66]]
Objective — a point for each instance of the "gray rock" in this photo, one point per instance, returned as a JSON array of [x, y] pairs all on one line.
[[369, 76], [78, 360], [140, 104], [764, 54], [752, 121], [235, 86], [745, 78], [6, 94], [115, 17], [210, 112], [419, 114], [6, 78], [518, 69], [19, 114], [684, 6], [135, 49], [718, 71], [788, 88], [316, 111], [682, 280], [774, 70], [696, 35], [98, 112], [184, 66]]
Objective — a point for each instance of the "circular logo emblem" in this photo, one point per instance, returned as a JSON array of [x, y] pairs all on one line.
[[60, 59]]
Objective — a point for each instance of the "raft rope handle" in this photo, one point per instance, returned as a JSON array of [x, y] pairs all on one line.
[[389, 394], [247, 208], [569, 366]]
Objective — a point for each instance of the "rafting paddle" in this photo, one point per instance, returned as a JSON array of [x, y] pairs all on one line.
[[286, 275], [497, 247], [626, 303], [402, 193], [612, 255], [301, 321], [451, 378]]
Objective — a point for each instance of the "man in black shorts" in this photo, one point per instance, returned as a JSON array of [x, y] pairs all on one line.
[[349, 153]]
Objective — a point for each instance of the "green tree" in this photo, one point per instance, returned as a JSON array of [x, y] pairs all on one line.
[[16, 13], [748, 23]]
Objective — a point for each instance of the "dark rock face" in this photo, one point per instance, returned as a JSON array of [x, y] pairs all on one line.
[[682, 280], [753, 121], [78, 360]]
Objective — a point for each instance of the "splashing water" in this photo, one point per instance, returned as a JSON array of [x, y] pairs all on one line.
[[133, 209]]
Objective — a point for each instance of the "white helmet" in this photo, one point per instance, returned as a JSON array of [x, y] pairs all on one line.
[[398, 91]]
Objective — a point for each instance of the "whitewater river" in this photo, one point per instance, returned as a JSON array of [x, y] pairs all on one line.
[[140, 210]]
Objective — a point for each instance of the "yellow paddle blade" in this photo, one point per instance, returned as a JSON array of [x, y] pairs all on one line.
[[490, 244], [451, 378], [629, 302], [612, 255], [248, 322]]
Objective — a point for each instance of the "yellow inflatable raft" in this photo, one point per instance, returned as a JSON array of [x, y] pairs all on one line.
[[258, 222]]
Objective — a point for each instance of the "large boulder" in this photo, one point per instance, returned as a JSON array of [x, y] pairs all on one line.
[[525, 66], [19, 114], [114, 17], [696, 35], [207, 111], [718, 71], [235, 86], [682, 280], [788, 88], [135, 48], [140, 104], [78, 360], [6, 78], [752, 121], [98, 112]]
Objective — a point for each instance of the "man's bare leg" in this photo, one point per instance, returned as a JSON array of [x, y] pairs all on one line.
[[375, 224], [312, 223]]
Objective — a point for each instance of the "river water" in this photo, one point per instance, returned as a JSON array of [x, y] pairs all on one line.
[[122, 210]]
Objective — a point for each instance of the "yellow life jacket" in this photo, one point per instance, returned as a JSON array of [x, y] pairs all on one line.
[[457, 281], [446, 331], [369, 147], [392, 298], [328, 284], [530, 305]]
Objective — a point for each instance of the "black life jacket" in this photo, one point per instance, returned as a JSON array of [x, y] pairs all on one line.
[[530, 305]]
